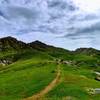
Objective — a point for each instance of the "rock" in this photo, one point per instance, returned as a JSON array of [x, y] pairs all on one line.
[[97, 91], [93, 91], [90, 91], [68, 62], [97, 73], [97, 78], [5, 62]]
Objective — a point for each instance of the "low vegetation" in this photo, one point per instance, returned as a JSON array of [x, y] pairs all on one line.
[[26, 69]]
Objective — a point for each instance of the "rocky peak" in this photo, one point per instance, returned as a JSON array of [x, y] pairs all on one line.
[[10, 43]]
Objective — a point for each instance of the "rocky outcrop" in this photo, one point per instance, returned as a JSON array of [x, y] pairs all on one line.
[[97, 76], [87, 51], [10, 43], [5, 62], [68, 62]]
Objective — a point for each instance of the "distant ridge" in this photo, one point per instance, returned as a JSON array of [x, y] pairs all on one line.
[[88, 51], [11, 43]]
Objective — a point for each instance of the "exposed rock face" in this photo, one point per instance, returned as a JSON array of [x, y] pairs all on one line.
[[4, 62]]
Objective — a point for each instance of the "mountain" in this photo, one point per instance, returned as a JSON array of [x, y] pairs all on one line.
[[88, 51], [39, 45], [10, 43], [12, 50]]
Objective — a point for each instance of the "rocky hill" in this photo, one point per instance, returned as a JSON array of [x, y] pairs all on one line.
[[10, 43]]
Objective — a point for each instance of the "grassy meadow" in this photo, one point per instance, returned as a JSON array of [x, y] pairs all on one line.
[[34, 66], [25, 78], [75, 84]]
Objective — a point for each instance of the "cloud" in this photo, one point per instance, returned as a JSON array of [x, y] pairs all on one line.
[[92, 28], [61, 5], [84, 31], [18, 12], [60, 18], [32, 15]]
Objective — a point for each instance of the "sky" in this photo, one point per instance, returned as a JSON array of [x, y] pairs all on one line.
[[69, 24]]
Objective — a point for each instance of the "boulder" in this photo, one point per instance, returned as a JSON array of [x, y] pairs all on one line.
[[97, 78]]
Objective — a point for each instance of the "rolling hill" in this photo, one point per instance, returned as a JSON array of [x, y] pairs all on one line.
[[28, 70]]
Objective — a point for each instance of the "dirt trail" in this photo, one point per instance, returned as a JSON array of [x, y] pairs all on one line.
[[48, 88]]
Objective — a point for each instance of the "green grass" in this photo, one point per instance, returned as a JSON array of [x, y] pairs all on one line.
[[25, 78], [32, 71], [74, 84]]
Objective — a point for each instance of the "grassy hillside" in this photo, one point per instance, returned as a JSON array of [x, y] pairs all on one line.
[[76, 84], [26, 76], [26, 69]]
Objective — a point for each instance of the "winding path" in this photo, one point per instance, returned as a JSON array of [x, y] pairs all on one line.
[[48, 88]]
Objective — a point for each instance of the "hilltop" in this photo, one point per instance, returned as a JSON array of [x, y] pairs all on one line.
[[11, 43], [12, 48]]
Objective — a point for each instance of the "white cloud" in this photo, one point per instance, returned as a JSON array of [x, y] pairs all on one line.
[[60, 18]]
